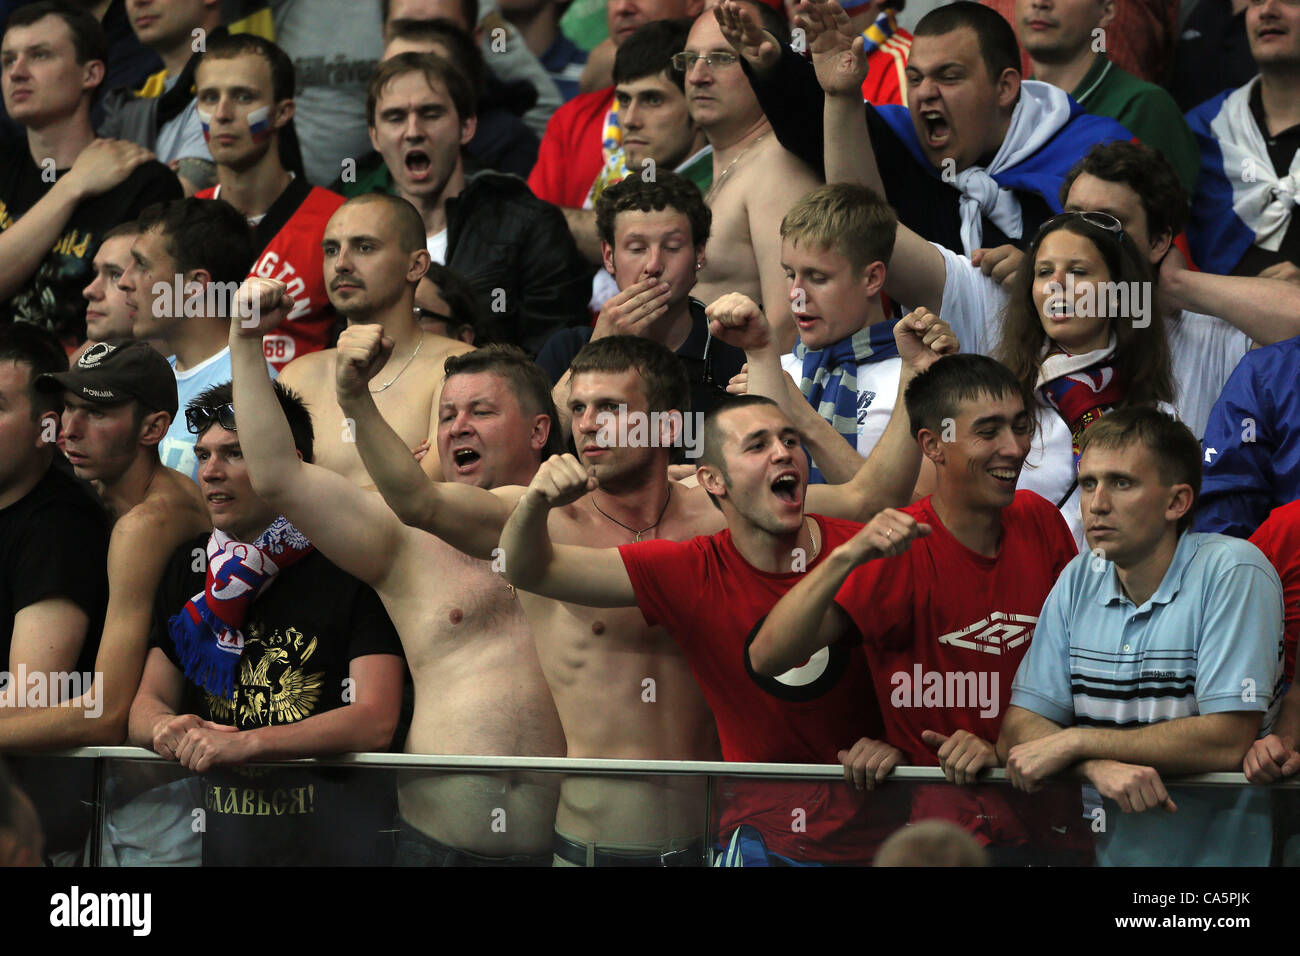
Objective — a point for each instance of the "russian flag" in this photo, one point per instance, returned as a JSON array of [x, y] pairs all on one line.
[[1043, 172], [259, 123]]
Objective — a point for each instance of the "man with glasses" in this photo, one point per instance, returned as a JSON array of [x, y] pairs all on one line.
[[307, 668], [755, 179], [118, 401], [652, 237]]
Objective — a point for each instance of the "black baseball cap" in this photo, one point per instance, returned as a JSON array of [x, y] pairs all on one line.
[[109, 373]]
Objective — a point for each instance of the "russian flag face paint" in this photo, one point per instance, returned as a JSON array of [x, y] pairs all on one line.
[[259, 123], [205, 119]]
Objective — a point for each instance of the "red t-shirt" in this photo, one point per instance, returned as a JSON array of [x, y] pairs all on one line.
[[293, 256], [1279, 538], [944, 630], [713, 601], [570, 158]]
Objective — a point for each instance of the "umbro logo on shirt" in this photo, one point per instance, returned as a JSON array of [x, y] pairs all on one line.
[[994, 634]]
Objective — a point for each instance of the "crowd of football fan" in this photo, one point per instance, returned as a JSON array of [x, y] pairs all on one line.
[[654, 379]]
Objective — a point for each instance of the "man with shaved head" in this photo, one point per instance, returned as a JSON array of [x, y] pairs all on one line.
[[515, 251], [374, 257]]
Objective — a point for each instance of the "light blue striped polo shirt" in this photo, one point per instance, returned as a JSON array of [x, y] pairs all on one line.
[[1209, 640]]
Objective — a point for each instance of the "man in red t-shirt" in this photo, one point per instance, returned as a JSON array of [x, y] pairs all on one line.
[[244, 87], [945, 625], [584, 130], [711, 593]]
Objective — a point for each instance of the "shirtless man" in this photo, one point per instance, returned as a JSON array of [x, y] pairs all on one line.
[[622, 689], [118, 402], [478, 686], [374, 259], [755, 180]]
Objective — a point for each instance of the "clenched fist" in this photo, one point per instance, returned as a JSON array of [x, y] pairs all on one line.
[[260, 306], [923, 338], [362, 352], [737, 320], [562, 480], [888, 534]]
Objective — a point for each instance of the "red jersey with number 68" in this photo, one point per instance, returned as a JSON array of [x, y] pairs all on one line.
[[288, 240]]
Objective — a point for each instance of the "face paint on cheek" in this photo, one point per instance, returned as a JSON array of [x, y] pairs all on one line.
[[259, 123], [205, 119]]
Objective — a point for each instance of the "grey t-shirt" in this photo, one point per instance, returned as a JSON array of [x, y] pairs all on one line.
[[334, 45]]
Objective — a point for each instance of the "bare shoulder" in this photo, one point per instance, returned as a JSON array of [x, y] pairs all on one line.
[[777, 160], [438, 348], [509, 495], [303, 372], [171, 511]]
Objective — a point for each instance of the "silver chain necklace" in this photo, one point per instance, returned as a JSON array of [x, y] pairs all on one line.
[[418, 345]]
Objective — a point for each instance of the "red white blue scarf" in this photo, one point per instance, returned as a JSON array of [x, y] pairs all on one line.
[[1082, 388], [207, 631]]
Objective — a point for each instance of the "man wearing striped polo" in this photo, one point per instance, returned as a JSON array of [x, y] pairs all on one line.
[[1160, 653]]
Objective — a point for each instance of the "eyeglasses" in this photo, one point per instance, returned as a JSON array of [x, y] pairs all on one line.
[[198, 418], [683, 62], [431, 316]]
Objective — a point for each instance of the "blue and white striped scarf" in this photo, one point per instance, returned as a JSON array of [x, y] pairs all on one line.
[[830, 378]]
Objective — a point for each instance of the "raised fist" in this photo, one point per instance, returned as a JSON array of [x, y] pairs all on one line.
[[260, 306], [562, 480], [362, 352]]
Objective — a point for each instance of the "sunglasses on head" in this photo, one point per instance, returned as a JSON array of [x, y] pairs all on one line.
[[198, 418], [1102, 220]]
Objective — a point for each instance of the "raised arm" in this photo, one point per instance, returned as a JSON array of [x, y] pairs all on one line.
[[916, 269], [595, 577], [782, 81], [888, 476], [351, 526], [466, 517], [1268, 310], [737, 320], [807, 618]]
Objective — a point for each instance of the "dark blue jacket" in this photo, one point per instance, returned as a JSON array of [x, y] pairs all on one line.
[[1251, 450]]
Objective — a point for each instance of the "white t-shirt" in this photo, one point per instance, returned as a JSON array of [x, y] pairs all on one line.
[[1204, 350], [437, 246], [877, 391]]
